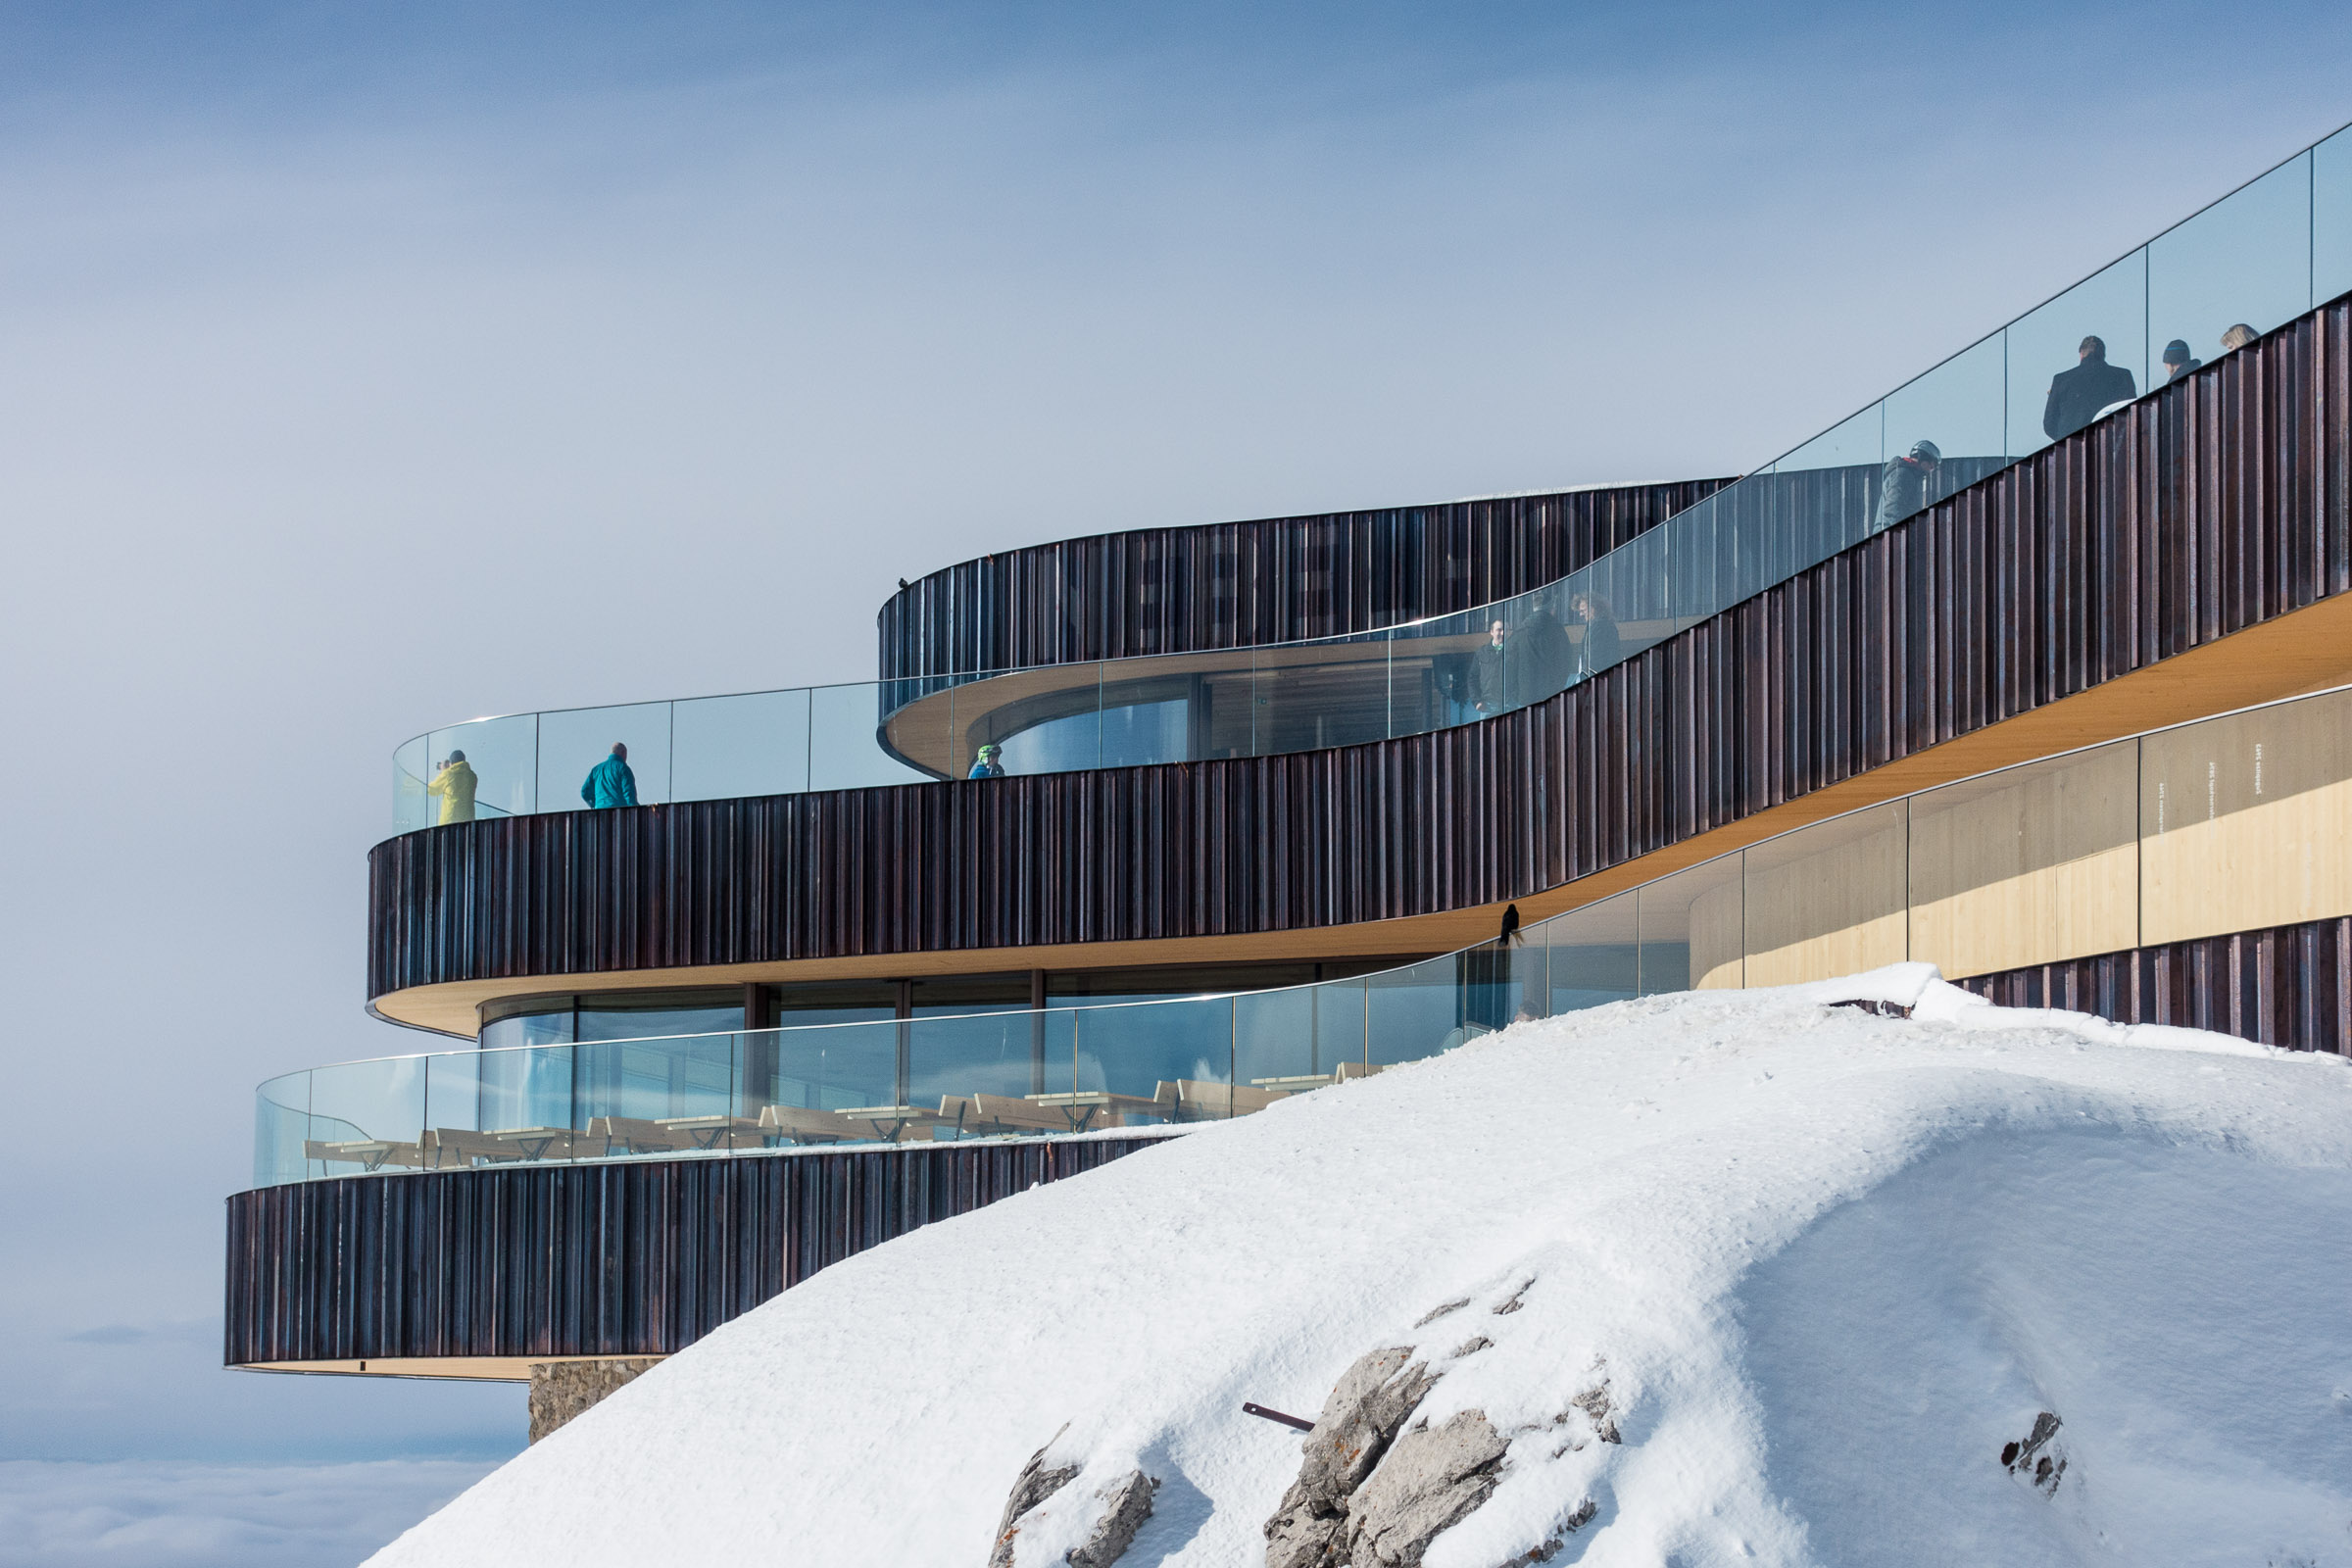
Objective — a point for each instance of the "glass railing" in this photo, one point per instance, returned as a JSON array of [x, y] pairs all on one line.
[[2225, 824], [2258, 258]]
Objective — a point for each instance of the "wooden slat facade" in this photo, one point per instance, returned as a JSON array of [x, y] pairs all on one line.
[[1248, 584], [626, 1258], [2205, 508], [2289, 985]]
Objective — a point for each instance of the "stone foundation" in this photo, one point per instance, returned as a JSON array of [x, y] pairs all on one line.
[[562, 1390]]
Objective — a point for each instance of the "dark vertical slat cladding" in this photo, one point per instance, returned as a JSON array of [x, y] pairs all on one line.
[[2287, 985], [1246, 584], [2203, 509], [638, 1258]]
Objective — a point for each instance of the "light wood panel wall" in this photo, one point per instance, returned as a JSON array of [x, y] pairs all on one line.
[[2033, 866], [1718, 935], [2248, 822], [1829, 902]]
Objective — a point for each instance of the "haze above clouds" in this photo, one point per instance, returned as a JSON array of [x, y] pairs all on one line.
[[371, 368]]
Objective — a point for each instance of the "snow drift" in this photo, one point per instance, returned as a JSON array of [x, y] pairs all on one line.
[[1738, 1276]]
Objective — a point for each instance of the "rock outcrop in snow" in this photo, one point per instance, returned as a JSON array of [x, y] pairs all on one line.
[[1760, 1278]]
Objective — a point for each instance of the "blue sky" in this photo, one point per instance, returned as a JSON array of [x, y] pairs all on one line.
[[368, 368]]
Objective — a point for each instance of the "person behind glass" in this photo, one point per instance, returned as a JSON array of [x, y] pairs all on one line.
[[455, 785], [1489, 674], [2238, 337], [1599, 650], [988, 766], [1903, 485], [610, 783], [2078, 395], [1541, 658], [2177, 362]]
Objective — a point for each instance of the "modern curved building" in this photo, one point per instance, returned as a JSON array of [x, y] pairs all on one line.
[[2038, 668]]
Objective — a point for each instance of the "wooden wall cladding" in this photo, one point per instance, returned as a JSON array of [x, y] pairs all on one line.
[[1246, 584], [2289, 985], [634, 1258], [2212, 506]]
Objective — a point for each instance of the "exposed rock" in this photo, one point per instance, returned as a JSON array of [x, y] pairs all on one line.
[[1595, 1402], [562, 1390], [1517, 1300], [1439, 1311], [1585, 1513], [1432, 1477], [1127, 1505], [1367, 1408], [2038, 1459], [1469, 1347], [1035, 1484]]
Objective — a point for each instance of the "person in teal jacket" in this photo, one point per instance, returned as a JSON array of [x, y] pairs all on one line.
[[610, 783]]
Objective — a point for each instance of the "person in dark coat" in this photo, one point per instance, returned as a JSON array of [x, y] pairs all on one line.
[[2176, 362], [1490, 675], [1600, 646], [988, 766], [2078, 395], [610, 783], [1903, 486], [1542, 659]]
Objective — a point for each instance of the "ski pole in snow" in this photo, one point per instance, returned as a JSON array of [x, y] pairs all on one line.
[[1276, 1415]]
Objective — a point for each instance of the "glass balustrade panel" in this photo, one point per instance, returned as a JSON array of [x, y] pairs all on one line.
[[1827, 899], [2332, 217], [2030, 865], [522, 1108], [1592, 954], [668, 1096], [2231, 273], [2076, 359], [487, 769], [1540, 644], [847, 748], [282, 1128], [1308, 697], [1750, 555], [1434, 677], [1145, 1063], [723, 747], [816, 1086], [1278, 1046], [1945, 432], [366, 1117], [1632, 588], [1690, 929], [982, 1075], [1694, 554], [412, 772], [1824, 493], [576, 743], [1415, 1012]]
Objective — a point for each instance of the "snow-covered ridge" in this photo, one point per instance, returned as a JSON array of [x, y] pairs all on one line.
[[1827, 1265]]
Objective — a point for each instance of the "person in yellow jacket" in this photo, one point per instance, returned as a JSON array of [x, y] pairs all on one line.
[[455, 785]]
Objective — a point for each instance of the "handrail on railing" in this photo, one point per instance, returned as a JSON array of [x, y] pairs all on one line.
[[2231, 823], [2266, 254]]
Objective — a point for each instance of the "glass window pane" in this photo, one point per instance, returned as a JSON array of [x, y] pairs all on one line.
[[2078, 356], [2244, 262], [2332, 217], [729, 747], [2029, 867], [1593, 954], [366, 1117], [487, 769], [844, 738], [572, 744], [1827, 899], [671, 1098], [1954, 409], [1690, 926], [1045, 720]]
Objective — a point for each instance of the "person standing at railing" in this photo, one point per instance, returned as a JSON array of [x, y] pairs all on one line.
[[610, 783], [1599, 650], [988, 765], [2078, 395], [1490, 675], [2177, 362], [453, 785], [2238, 337], [1541, 658], [1903, 485]]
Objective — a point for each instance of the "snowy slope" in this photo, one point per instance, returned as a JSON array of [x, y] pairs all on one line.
[[1828, 1264]]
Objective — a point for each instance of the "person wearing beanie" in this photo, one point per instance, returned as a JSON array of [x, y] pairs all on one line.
[[2176, 362], [1903, 484]]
